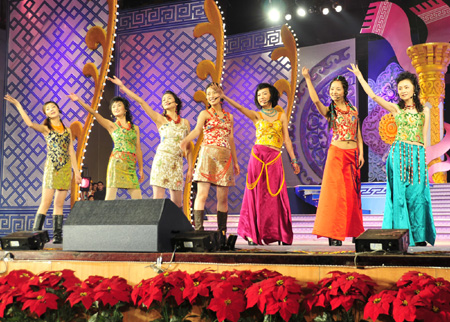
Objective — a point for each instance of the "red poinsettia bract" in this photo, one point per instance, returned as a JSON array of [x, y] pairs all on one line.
[[38, 302], [227, 303]]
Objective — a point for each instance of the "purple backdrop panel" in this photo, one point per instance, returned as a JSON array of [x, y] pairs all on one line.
[[383, 68], [311, 136], [46, 55]]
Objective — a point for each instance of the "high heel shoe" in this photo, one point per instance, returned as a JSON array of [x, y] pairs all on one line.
[[421, 244]]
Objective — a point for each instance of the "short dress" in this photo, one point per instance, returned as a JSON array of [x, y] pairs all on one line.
[[121, 171], [214, 164], [167, 166], [57, 169]]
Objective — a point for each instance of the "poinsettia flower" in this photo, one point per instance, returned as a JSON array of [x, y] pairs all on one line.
[[112, 290], [258, 294], [16, 277], [227, 303], [413, 277], [404, 306], [7, 295], [84, 294], [437, 312], [194, 288], [38, 302], [285, 307], [379, 304], [176, 285]]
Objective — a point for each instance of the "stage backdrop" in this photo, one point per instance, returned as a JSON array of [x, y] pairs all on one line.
[[46, 55]]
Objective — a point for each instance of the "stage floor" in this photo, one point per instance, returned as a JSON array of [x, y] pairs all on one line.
[[305, 252]]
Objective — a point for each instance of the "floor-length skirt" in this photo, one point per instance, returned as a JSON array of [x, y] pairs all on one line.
[[408, 200], [339, 213], [265, 213]]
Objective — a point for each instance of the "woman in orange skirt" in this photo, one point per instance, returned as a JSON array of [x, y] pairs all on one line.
[[339, 213]]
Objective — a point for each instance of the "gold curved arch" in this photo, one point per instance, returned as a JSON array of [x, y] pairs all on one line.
[[214, 27], [94, 37]]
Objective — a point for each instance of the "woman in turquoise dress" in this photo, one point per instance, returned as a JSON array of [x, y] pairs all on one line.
[[167, 166], [57, 171], [408, 200], [121, 172]]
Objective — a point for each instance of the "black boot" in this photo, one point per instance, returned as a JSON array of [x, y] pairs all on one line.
[[38, 222], [57, 229], [198, 219], [222, 227]]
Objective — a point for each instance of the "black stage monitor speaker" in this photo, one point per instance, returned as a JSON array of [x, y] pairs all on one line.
[[197, 241], [389, 240], [25, 240], [145, 225]]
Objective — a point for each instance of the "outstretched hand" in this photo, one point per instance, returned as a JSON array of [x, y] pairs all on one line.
[[74, 97], [218, 90], [115, 80], [12, 100], [305, 72], [355, 70]]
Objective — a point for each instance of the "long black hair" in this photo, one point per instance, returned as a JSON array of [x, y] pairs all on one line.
[[47, 122], [413, 79], [177, 101], [331, 114], [274, 94], [126, 105]]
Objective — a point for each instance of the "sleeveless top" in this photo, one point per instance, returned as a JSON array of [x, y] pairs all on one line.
[[216, 131], [345, 127], [171, 135], [124, 139], [269, 133], [409, 126], [58, 148]]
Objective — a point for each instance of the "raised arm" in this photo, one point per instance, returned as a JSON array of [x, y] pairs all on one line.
[[107, 124], [388, 106], [313, 94], [196, 131], [252, 115], [288, 143], [38, 127], [156, 117]]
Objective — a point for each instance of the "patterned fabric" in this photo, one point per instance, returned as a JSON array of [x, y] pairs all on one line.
[[269, 133], [167, 166], [409, 126], [121, 171], [345, 126], [265, 214], [408, 200], [214, 166], [339, 212], [57, 170], [216, 131]]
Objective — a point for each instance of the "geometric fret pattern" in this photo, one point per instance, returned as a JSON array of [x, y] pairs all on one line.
[[46, 55]]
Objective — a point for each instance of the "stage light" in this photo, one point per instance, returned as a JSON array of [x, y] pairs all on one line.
[[338, 8], [325, 11], [301, 11], [288, 17], [274, 14]]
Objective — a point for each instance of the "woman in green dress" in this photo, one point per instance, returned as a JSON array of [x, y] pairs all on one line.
[[57, 171], [121, 171]]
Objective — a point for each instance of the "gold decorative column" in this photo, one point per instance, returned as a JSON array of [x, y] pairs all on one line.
[[430, 61]]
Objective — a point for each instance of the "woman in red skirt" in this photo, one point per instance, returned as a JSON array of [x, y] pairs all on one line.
[[339, 213]]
